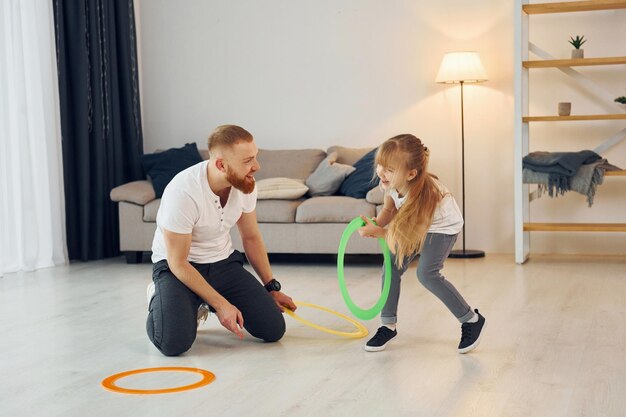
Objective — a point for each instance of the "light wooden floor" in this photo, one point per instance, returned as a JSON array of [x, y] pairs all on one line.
[[555, 345]]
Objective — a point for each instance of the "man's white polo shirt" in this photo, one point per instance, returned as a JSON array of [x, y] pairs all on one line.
[[189, 205]]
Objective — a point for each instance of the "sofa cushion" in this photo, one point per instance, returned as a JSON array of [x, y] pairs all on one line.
[[150, 210], [138, 192], [348, 156], [280, 188], [332, 209], [277, 211], [328, 176], [297, 164], [362, 179], [375, 196], [161, 167], [267, 211]]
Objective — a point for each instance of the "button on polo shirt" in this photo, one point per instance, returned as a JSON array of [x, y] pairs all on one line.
[[219, 207], [189, 205]]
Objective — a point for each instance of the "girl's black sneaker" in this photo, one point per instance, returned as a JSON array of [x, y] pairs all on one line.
[[383, 335], [471, 333]]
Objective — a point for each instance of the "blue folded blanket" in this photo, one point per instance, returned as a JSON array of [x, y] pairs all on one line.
[[559, 166], [560, 163], [585, 181]]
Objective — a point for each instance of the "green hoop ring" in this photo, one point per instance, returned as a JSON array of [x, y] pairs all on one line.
[[363, 314]]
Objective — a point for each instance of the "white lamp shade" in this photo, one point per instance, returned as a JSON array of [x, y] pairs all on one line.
[[459, 67]]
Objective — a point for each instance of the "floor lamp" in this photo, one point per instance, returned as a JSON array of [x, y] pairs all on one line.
[[461, 68]]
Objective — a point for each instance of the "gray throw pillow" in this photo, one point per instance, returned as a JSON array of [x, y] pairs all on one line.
[[328, 176]]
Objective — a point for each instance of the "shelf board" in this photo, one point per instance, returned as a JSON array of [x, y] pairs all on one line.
[[574, 117], [621, 173], [573, 6], [575, 227], [579, 62]]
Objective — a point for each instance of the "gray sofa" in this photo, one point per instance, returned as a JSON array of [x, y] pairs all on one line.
[[304, 226]]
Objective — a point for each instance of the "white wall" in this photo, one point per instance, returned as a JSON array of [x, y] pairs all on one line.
[[354, 72]]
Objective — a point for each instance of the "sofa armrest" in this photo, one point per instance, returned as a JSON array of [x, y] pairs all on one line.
[[138, 192]]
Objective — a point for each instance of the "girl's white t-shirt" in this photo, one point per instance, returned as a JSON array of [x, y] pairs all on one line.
[[189, 205], [447, 218]]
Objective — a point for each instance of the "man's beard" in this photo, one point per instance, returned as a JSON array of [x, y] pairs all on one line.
[[243, 184]]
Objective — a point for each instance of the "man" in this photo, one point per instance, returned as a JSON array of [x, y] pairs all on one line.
[[192, 254]]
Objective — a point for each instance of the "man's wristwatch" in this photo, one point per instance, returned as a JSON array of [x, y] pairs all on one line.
[[273, 285]]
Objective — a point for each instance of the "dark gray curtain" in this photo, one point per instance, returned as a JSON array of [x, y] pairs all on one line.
[[100, 118]]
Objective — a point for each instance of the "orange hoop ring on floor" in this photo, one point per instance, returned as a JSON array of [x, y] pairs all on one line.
[[110, 382]]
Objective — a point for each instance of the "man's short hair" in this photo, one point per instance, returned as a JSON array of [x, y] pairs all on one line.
[[228, 136]]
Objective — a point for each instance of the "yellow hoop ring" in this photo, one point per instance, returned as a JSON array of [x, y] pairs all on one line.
[[361, 330], [109, 383]]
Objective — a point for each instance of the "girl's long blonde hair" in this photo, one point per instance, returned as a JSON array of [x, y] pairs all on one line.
[[407, 231]]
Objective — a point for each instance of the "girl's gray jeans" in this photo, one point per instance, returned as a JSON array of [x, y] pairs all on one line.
[[435, 250]]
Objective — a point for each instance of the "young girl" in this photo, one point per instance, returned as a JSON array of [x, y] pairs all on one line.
[[421, 217]]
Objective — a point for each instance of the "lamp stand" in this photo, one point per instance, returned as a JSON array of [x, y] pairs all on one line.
[[464, 253]]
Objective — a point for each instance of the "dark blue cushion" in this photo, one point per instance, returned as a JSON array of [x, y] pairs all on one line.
[[161, 167], [362, 179]]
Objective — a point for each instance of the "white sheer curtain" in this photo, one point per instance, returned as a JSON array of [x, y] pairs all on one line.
[[32, 214]]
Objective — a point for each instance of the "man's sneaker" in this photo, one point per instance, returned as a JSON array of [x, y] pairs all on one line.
[[150, 290], [383, 335], [203, 310], [471, 333], [203, 313]]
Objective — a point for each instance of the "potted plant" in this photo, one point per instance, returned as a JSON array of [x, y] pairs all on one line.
[[577, 42]]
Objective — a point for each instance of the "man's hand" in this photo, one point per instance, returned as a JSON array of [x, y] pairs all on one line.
[[231, 318], [370, 229], [283, 300]]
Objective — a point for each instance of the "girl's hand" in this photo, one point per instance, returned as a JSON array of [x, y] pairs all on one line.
[[370, 229]]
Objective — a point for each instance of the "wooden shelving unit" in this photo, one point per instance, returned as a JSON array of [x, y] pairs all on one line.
[[575, 227], [580, 62], [580, 117], [523, 225], [573, 6], [615, 173]]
